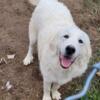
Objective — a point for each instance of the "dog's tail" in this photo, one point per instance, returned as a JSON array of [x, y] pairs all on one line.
[[35, 2]]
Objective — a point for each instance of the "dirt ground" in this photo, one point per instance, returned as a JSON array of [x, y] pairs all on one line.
[[27, 81]]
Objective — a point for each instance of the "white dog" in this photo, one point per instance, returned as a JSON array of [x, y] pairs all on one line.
[[63, 48]]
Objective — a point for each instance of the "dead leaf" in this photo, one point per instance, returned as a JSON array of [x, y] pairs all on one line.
[[8, 85], [11, 56], [3, 60]]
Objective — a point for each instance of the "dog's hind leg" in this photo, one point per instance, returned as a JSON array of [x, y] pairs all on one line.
[[55, 93], [32, 40]]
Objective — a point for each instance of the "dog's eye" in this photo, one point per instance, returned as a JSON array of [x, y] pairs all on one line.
[[66, 36], [80, 41]]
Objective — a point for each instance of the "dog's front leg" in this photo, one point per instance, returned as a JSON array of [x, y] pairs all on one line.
[[47, 88], [55, 93], [32, 41]]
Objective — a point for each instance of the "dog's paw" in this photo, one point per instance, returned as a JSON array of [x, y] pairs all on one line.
[[27, 60], [45, 97], [56, 95]]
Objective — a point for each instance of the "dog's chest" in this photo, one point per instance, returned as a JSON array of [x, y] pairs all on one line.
[[55, 73]]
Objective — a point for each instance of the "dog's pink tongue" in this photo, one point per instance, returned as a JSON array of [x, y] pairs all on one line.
[[65, 62]]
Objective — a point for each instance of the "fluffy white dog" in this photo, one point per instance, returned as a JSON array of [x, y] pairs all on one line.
[[63, 48]]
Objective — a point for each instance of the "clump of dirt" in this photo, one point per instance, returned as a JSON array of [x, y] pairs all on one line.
[[27, 81]]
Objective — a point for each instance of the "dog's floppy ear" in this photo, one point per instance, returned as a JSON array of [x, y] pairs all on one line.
[[54, 44], [89, 51]]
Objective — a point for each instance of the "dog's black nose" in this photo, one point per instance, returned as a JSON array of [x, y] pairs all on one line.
[[70, 50]]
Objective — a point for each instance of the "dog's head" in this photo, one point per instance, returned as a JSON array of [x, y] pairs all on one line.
[[71, 45]]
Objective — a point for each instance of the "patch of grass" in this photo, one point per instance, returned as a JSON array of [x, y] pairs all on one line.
[[94, 92], [93, 6], [96, 57]]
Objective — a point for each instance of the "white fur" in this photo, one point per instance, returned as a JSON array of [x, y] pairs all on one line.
[[50, 21]]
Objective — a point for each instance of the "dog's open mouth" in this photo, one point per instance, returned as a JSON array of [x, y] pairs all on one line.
[[66, 62]]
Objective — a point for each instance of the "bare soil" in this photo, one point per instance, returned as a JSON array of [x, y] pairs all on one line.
[[27, 81]]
